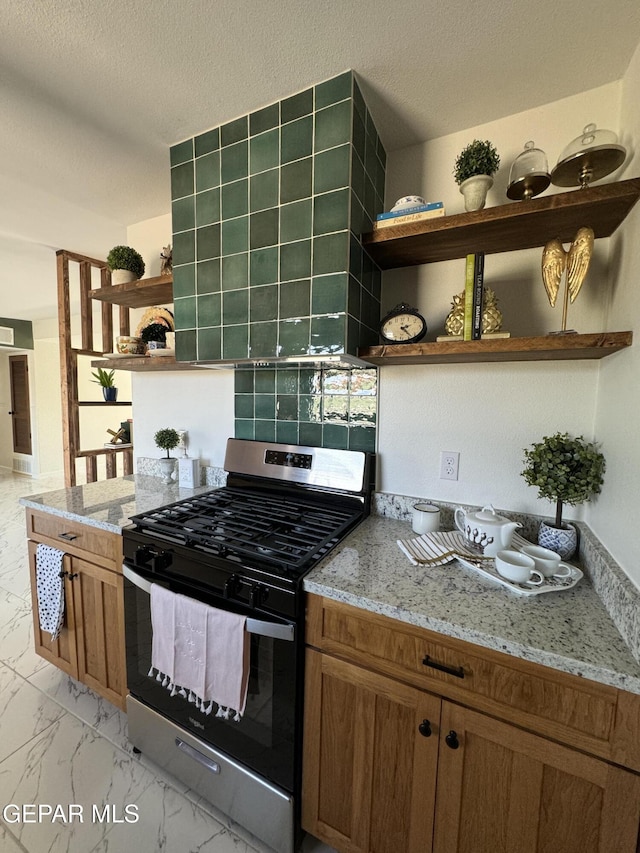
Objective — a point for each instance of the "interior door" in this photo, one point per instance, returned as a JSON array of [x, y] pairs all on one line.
[[20, 416]]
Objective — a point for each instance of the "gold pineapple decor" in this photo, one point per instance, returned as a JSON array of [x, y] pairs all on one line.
[[491, 314]]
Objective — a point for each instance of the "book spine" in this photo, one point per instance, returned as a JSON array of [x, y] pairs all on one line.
[[468, 298], [409, 217], [392, 214], [478, 290]]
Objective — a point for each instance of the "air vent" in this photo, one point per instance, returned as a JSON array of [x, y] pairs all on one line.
[[22, 465], [6, 335]]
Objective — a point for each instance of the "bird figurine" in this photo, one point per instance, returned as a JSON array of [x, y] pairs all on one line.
[[574, 262]]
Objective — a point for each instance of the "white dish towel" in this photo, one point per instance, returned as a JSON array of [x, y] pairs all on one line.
[[200, 652], [50, 589]]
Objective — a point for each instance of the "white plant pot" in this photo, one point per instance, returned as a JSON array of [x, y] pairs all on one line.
[[167, 467], [122, 276], [475, 190]]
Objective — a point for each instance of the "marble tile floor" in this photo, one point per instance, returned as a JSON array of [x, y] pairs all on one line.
[[62, 745]]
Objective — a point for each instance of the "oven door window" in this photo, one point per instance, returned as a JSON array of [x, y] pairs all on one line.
[[265, 737]]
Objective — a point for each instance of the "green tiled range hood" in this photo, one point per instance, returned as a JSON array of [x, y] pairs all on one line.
[[267, 214]]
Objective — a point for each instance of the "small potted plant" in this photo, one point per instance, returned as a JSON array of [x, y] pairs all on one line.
[[167, 439], [474, 169], [568, 471], [105, 378], [125, 264], [154, 336]]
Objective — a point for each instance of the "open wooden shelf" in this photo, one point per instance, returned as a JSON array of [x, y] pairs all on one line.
[[146, 365], [137, 294], [546, 348], [505, 228]]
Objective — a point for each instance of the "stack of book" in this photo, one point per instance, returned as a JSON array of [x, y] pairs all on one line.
[[473, 304], [411, 214]]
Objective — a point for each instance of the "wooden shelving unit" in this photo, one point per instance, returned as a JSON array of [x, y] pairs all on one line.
[[144, 365], [505, 228], [137, 294]]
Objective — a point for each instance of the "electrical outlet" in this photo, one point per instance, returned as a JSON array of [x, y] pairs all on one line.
[[449, 462]]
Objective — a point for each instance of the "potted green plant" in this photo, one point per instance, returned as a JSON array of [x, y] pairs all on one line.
[[125, 264], [474, 169], [153, 335], [167, 439], [568, 471], [105, 378]]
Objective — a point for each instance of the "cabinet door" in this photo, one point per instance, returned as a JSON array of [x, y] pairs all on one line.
[[369, 774], [98, 596], [504, 790], [60, 652]]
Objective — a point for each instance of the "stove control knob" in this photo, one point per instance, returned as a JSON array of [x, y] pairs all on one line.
[[231, 586], [161, 560], [256, 595], [142, 555]]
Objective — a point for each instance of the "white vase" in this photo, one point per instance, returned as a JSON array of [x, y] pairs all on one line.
[[563, 541], [122, 276], [167, 466], [475, 190]]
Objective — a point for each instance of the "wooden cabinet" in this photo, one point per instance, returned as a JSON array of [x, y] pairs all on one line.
[[90, 647], [415, 741]]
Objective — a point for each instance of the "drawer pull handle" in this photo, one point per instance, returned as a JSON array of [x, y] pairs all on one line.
[[452, 740], [68, 536], [458, 671], [425, 728]]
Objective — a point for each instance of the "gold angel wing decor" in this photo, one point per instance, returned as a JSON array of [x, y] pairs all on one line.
[[578, 260], [554, 261]]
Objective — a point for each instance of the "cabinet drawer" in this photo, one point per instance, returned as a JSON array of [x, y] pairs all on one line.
[[585, 714], [74, 537]]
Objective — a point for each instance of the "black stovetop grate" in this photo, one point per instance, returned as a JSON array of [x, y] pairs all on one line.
[[265, 527]]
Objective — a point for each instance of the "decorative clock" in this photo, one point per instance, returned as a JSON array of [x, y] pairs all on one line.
[[403, 325]]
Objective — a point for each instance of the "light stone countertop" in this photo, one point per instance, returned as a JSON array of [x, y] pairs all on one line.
[[570, 630]]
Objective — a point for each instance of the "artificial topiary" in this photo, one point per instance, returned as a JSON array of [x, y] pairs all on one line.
[[166, 439], [154, 332], [126, 258], [478, 158]]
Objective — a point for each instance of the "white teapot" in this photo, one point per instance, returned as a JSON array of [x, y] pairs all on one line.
[[486, 529]]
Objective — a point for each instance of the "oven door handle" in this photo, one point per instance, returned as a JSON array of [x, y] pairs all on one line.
[[254, 626]]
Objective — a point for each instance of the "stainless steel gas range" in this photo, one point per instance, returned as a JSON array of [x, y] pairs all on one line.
[[244, 548]]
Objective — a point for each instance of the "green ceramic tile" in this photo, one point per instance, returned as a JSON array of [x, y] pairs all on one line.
[[207, 276], [331, 169], [184, 248], [353, 297], [362, 438], [331, 212], [294, 337], [265, 430], [329, 294], [235, 342], [235, 235], [207, 142], [328, 334], [358, 100], [184, 281], [310, 407], [208, 171], [263, 304], [335, 381], [358, 177], [234, 131], [336, 436], [286, 380], [354, 335], [359, 135], [209, 347], [186, 348], [235, 307], [379, 180], [182, 180], [181, 152], [264, 190], [244, 428], [335, 409], [243, 381], [263, 340], [296, 106], [264, 228], [295, 298], [333, 90], [330, 253], [235, 272], [310, 434], [234, 162], [184, 311], [362, 410], [382, 154], [295, 181], [264, 119], [296, 139], [360, 223], [355, 258], [208, 207], [264, 266], [183, 214], [235, 199], [310, 380], [295, 260], [208, 310], [370, 157], [265, 381], [243, 405], [287, 432], [264, 151], [208, 240], [265, 406], [295, 220], [333, 126]]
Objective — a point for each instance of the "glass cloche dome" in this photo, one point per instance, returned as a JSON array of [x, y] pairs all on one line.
[[589, 157], [529, 174]]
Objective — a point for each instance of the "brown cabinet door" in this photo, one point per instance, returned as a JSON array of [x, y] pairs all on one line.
[[99, 611], [369, 773], [504, 790]]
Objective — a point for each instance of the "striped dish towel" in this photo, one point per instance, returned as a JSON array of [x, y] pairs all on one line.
[[430, 546]]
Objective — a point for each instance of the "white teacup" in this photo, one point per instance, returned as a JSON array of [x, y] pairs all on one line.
[[426, 518], [548, 563], [519, 568]]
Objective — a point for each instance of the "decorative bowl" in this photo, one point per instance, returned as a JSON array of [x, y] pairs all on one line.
[[127, 345], [407, 202]]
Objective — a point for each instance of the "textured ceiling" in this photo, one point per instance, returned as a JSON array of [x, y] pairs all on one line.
[[93, 92]]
